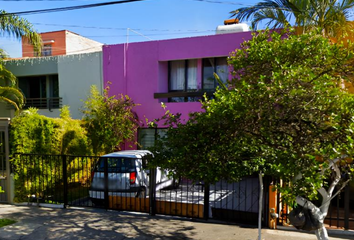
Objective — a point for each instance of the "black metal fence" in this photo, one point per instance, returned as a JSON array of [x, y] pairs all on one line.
[[69, 180], [55, 179]]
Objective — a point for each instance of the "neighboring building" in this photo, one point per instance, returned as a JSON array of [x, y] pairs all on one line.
[[51, 82], [61, 43], [69, 66], [176, 72]]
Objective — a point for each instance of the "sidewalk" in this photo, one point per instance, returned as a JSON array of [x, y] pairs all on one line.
[[47, 223]]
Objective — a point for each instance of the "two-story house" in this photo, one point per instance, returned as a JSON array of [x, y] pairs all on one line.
[[69, 65], [176, 72]]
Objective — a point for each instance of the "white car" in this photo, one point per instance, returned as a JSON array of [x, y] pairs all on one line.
[[126, 176]]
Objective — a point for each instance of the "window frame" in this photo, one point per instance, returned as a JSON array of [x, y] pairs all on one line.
[[186, 80], [216, 84]]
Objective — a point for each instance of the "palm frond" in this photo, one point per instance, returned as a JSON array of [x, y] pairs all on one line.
[[12, 96], [19, 27]]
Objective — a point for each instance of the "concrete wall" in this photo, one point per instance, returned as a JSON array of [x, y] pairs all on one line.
[[76, 75], [140, 69], [33, 66], [76, 44]]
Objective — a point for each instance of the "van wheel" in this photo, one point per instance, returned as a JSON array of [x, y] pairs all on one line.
[[142, 193]]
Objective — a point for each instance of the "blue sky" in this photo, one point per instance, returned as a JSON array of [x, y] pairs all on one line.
[[155, 19]]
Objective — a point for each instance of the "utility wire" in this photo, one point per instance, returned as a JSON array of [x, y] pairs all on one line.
[[68, 8], [124, 29]]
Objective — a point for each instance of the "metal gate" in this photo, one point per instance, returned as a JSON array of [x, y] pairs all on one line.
[[66, 180]]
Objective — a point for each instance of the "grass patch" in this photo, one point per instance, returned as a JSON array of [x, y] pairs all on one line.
[[5, 222]]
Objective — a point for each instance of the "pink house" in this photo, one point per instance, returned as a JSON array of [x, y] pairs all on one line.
[[176, 72]]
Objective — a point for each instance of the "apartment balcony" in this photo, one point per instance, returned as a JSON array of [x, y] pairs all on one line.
[[181, 96], [44, 103]]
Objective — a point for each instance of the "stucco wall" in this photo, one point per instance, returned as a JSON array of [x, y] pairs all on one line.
[[33, 66], [76, 44], [140, 69], [76, 75]]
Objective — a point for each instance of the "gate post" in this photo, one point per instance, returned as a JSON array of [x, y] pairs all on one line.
[[106, 200], [206, 201], [152, 192], [65, 180], [346, 207]]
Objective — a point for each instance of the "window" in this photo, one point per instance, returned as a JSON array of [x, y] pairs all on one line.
[[188, 81], [217, 65], [41, 91], [182, 78], [47, 50], [147, 136]]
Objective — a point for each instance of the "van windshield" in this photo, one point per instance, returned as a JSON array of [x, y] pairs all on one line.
[[117, 165]]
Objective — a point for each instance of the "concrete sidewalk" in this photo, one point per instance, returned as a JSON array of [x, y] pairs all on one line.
[[47, 223]]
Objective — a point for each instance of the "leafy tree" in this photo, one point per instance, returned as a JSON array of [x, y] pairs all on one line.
[[330, 16], [285, 114], [109, 121]]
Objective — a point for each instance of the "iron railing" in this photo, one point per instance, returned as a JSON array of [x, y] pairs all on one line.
[[44, 103], [67, 180]]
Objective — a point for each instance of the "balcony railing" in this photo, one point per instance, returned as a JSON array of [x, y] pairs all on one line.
[[44, 103], [185, 95]]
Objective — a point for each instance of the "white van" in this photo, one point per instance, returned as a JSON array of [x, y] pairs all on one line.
[[126, 176]]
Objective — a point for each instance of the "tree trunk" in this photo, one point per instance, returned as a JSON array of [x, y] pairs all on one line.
[[260, 206], [321, 233], [320, 213]]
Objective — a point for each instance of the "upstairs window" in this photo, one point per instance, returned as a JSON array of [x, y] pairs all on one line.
[[183, 78], [189, 80], [47, 50], [40, 91], [217, 65]]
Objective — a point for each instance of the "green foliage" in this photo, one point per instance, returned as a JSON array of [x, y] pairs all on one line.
[[9, 92], [284, 107], [109, 120], [17, 27], [31, 132], [331, 17]]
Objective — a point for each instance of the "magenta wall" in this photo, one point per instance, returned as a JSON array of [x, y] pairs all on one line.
[[140, 69]]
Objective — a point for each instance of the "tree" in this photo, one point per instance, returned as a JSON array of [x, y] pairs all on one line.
[[110, 121], [285, 113], [330, 16], [17, 27]]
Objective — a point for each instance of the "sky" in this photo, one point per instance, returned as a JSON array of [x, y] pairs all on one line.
[[146, 20]]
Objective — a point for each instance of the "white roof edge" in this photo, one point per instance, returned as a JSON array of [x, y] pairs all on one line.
[[129, 154]]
